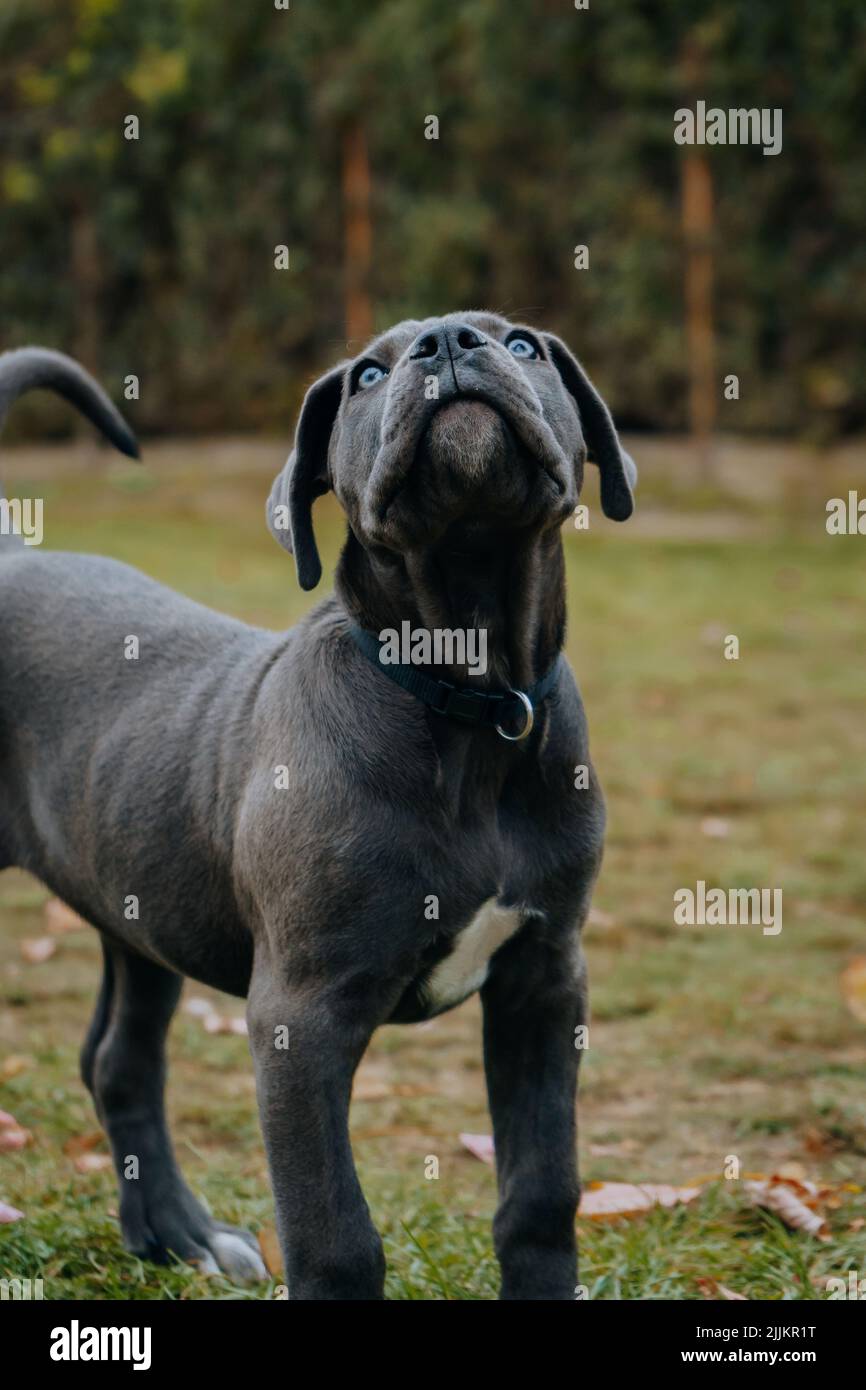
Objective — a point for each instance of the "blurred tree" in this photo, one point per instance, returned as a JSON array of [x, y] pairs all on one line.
[[359, 232], [308, 128]]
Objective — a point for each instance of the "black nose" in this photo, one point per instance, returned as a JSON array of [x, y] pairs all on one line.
[[456, 337]]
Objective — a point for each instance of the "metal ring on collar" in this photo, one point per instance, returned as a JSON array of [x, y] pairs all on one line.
[[530, 719]]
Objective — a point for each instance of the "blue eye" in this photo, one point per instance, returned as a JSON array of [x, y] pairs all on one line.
[[371, 374], [521, 347]]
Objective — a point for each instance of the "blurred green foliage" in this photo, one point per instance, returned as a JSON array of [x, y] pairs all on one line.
[[156, 256]]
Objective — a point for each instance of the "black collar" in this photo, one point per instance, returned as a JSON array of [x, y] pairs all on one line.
[[511, 708]]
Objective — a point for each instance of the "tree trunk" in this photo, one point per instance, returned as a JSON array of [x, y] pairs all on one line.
[[698, 228], [697, 211], [358, 234]]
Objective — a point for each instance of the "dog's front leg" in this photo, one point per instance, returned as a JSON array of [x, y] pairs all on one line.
[[534, 1006], [306, 1042]]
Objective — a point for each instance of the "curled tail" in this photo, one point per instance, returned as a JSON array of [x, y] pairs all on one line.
[[27, 369]]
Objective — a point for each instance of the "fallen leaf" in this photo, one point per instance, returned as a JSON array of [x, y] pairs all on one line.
[[8, 1214], [711, 1288], [92, 1163], [59, 918], [13, 1137], [784, 1201], [820, 1143], [853, 982], [83, 1143], [38, 948], [791, 1172], [604, 1201], [715, 828], [270, 1250], [222, 1023], [481, 1145], [14, 1065], [809, 1192], [213, 1021]]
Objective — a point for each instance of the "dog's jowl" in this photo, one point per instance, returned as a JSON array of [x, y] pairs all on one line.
[[343, 841]]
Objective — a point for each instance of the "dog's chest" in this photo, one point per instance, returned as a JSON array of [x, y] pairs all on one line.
[[464, 969]]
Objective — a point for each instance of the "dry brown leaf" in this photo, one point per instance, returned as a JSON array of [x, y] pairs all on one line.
[[715, 828], [59, 918], [36, 949], [13, 1137], [853, 982], [786, 1200], [270, 1251], [8, 1214], [92, 1163], [810, 1193], [481, 1145], [604, 1201], [711, 1288], [791, 1172], [223, 1023], [820, 1143], [83, 1143], [14, 1065]]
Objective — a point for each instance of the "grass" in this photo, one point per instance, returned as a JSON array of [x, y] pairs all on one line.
[[705, 1042]]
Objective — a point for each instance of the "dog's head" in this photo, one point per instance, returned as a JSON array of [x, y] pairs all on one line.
[[444, 427]]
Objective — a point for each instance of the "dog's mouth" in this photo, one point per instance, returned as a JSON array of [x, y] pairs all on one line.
[[469, 432], [466, 434]]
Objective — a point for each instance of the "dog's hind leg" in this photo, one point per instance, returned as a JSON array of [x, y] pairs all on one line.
[[98, 1023], [123, 1062]]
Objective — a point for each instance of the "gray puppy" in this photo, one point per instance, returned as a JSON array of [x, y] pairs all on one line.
[[345, 846]]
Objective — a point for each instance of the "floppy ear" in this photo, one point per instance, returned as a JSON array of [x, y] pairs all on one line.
[[305, 477], [617, 468]]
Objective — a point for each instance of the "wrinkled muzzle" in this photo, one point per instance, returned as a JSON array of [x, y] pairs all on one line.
[[408, 413]]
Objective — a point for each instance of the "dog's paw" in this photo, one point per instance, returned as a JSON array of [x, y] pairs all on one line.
[[183, 1230]]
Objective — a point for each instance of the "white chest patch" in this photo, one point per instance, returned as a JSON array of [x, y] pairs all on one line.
[[464, 971]]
